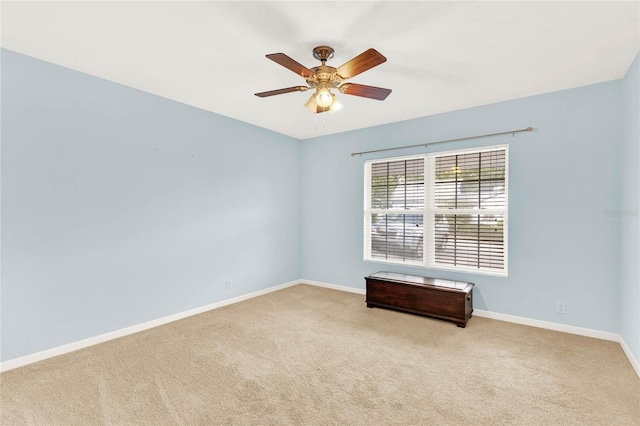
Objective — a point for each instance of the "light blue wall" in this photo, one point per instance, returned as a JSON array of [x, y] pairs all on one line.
[[563, 177], [120, 207], [629, 205]]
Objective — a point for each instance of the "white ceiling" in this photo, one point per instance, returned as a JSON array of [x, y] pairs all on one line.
[[441, 56]]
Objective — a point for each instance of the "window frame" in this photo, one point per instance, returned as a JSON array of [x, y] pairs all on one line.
[[429, 212]]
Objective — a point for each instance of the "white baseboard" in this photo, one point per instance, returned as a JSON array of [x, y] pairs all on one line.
[[629, 354], [334, 286], [604, 335], [81, 344], [74, 346]]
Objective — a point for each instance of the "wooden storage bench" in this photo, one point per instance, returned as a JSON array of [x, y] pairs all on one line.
[[444, 299]]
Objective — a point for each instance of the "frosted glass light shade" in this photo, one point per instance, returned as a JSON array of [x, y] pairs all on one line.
[[324, 98]]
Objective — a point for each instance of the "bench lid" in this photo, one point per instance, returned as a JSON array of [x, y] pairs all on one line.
[[415, 279]]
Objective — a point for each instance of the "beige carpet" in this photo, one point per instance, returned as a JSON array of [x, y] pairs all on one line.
[[308, 355]]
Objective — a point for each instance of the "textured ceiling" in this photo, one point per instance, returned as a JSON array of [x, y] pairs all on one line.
[[441, 56]]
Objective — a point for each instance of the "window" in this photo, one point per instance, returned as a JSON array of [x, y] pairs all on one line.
[[394, 212], [444, 210]]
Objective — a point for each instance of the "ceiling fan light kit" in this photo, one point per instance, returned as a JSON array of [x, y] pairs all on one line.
[[324, 97], [336, 104], [323, 78]]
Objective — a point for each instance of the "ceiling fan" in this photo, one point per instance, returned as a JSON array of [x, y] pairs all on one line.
[[324, 78]]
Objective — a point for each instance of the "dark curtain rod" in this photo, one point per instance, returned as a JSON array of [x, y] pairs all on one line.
[[513, 132]]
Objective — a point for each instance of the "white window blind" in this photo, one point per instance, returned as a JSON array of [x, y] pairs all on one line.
[[394, 210], [458, 223], [467, 210]]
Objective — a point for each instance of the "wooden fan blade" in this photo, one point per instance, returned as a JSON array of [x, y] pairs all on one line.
[[282, 91], [287, 62], [371, 92], [364, 61]]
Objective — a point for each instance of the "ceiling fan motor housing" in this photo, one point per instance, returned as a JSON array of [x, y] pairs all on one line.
[[324, 75]]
